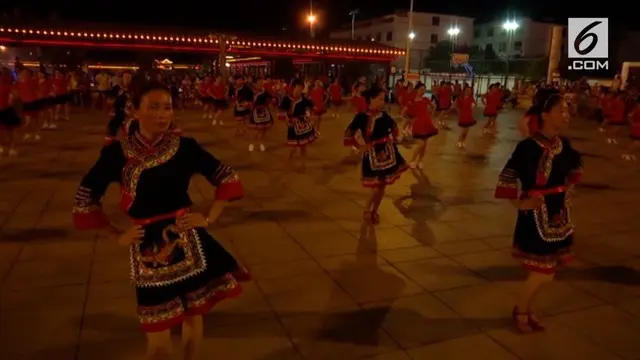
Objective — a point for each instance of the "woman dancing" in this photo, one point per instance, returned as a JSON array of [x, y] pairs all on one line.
[[547, 167], [295, 109], [419, 110], [491, 101], [260, 119], [118, 125], [179, 270], [465, 104], [318, 95], [335, 91], [242, 93], [9, 119], [382, 163], [218, 92]]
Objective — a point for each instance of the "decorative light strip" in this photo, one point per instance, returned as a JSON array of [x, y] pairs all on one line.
[[169, 47], [195, 40]]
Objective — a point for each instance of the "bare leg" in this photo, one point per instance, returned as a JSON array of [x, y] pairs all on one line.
[[463, 137], [415, 156], [205, 110], [378, 198], [191, 336], [423, 151], [260, 138], [318, 121], [159, 345], [52, 119], [11, 140], [529, 290], [629, 154], [613, 134]]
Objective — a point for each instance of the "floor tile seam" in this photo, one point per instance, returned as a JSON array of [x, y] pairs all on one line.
[[86, 298]]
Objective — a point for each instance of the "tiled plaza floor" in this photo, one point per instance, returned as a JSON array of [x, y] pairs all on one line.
[[434, 281]]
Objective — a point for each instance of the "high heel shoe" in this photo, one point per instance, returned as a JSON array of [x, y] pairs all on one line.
[[523, 326]]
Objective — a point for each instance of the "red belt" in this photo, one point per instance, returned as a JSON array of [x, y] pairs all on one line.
[[545, 192], [151, 220]]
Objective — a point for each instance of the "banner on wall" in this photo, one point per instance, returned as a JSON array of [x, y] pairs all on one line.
[[458, 59]]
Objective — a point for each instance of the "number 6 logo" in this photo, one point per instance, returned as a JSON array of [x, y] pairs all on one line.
[[583, 36], [588, 38]]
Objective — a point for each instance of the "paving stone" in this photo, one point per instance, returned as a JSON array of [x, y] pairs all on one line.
[[434, 280]]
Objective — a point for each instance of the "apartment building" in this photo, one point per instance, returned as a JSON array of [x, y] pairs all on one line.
[[531, 39], [428, 30]]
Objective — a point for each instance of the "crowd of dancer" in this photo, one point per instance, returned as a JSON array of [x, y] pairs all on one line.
[[44, 100], [180, 271]]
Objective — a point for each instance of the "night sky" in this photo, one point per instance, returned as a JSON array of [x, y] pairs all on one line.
[[274, 15]]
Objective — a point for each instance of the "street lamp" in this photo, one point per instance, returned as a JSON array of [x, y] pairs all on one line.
[[311, 19], [410, 38], [353, 23], [510, 26], [453, 33]]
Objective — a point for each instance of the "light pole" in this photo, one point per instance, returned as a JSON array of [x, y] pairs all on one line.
[[453, 34], [311, 19], [353, 23], [410, 36], [510, 26]]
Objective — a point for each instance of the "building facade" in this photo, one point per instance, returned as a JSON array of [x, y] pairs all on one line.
[[531, 39], [393, 30]]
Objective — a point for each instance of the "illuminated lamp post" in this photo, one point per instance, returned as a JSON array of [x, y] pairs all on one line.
[[453, 34], [410, 36], [312, 20], [510, 26]]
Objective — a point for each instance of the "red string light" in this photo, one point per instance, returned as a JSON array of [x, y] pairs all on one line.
[[39, 36]]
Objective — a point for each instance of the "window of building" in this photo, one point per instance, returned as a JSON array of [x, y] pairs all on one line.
[[434, 38], [488, 48], [435, 21], [379, 37], [490, 31], [502, 46], [389, 36], [517, 45]]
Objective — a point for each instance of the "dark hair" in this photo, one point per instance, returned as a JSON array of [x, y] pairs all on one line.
[[543, 102], [143, 89], [297, 82], [372, 93], [236, 77], [419, 85]]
